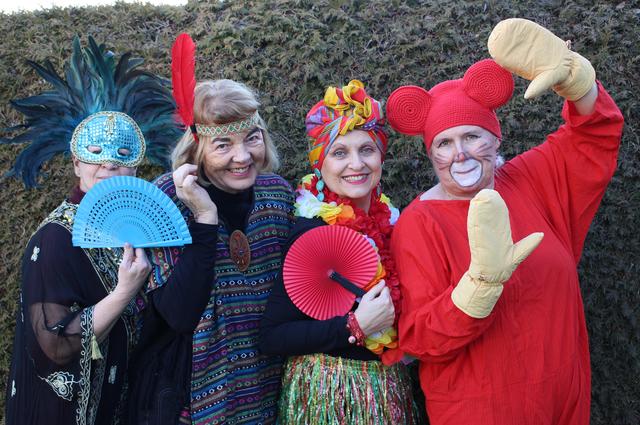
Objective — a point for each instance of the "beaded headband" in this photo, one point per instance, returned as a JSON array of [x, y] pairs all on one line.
[[216, 130]]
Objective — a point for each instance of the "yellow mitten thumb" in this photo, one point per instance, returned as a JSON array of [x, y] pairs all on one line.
[[525, 246], [542, 82]]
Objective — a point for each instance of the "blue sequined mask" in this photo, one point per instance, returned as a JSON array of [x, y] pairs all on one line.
[[108, 137]]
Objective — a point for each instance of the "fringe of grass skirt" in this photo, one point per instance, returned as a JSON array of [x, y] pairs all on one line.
[[319, 389]]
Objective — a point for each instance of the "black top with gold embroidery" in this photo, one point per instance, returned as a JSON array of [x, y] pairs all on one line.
[[57, 376]]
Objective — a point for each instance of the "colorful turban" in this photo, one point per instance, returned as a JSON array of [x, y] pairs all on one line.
[[343, 110]]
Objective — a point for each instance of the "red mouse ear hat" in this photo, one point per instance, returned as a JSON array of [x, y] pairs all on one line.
[[488, 83], [310, 262], [408, 109], [471, 100]]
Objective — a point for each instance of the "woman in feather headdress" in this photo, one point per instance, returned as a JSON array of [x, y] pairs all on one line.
[[209, 296], [79, 308]]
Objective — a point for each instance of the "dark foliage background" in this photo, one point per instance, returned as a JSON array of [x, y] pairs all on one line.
[[289, 50]]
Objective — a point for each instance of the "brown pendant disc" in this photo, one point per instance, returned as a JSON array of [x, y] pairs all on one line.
[[240, 251]]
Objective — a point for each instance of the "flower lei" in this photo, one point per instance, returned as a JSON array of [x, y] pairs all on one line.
[[376, 227]]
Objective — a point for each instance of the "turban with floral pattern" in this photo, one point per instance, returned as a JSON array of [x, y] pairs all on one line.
[[343, 110]]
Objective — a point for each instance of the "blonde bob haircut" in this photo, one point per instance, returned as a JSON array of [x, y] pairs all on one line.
[[221, 102]]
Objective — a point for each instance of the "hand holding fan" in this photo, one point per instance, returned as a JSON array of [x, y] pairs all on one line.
[[128, 209], [326, 267]]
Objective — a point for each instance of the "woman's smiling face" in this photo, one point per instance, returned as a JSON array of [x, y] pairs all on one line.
[[232, 162], [353, 166]]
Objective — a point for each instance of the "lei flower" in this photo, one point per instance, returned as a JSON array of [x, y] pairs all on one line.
[[376, 227]]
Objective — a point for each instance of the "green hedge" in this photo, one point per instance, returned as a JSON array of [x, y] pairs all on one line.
[[290, 50]]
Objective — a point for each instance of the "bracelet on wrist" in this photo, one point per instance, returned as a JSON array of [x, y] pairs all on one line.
[[357, 336]]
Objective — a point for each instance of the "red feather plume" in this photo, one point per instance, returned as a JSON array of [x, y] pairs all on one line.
[[183, 76]]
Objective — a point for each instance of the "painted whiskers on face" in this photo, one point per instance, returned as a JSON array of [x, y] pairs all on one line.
[[469, 171], [464, 160]]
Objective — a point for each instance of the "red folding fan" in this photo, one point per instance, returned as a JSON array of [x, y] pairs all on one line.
[[326, 268]]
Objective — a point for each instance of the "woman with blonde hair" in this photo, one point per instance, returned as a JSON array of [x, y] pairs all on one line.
[[222, 101], [211, 294]]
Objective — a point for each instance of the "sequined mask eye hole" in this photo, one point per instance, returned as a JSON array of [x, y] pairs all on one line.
[[108, 137]]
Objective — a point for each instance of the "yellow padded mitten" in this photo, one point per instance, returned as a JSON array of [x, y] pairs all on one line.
[[494, 256], [535, 53], [475, 298]]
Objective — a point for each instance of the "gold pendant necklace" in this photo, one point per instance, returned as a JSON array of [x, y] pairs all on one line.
[[240, 250]]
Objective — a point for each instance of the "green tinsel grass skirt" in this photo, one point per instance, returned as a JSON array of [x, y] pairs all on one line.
[[319, 389]]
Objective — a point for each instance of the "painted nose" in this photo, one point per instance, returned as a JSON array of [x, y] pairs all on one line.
[[460, 157], [461, 154]]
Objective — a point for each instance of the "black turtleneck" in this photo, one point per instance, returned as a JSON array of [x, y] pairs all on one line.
[[233, 208]]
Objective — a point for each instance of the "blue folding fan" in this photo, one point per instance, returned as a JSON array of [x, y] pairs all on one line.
[[127, 209]]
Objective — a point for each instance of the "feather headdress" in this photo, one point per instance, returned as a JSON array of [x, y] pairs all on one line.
[[92, 82]]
